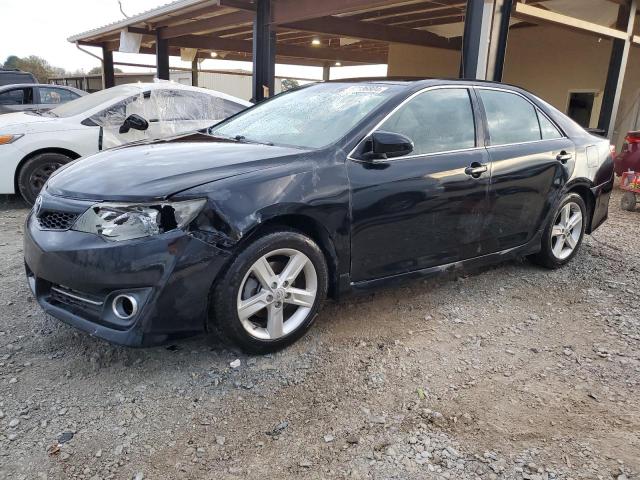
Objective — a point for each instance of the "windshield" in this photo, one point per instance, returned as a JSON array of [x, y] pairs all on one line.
[[312, 117], [88, 102]]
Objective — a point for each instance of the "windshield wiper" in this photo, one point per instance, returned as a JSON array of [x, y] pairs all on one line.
[[243, 139], [240, 139]]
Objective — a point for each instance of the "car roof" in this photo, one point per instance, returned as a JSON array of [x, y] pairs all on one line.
[[167, 84], [423, 81], [22, 85]]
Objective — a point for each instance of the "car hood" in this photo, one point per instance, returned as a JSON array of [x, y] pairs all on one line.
[[22, 122], [155, 170]]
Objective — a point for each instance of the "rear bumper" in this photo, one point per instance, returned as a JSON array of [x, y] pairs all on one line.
[[75, 277]]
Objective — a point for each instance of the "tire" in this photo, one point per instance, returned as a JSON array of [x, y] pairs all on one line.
[[34, 173], [247, 285], [628, 201], [553, 254]]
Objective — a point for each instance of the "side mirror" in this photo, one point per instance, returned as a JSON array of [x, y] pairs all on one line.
[[383, 145], [134, 121]]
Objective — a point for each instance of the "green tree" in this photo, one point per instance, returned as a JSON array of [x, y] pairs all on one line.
[[11, 62], [38, 66]]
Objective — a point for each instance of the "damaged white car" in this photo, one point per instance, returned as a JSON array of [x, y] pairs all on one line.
[[35, 144]]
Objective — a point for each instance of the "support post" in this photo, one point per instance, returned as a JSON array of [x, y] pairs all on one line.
[[162, 56], [194, 72], [326, 72], [617, 69], [263, 52], [108, 73], [484, 46]]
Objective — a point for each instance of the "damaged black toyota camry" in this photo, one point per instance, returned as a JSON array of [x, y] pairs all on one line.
[[247, 227]]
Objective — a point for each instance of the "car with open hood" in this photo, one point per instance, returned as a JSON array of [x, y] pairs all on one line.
[[333, 188]]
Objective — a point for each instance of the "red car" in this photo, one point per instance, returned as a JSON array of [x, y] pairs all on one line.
[[629, 157]]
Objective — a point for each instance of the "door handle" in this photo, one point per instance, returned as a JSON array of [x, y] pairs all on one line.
[[564, 157], [476, 169]]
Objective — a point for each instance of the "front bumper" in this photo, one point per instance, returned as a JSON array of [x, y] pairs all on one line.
[[10, 158], [75, 276]]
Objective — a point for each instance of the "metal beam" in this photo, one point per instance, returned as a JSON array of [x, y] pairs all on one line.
[[287, 11], [211, 42], [209, 24], [498, 40], [539, 15], [484, 44], [326, 72], [194, 71], [263, 46], [617, 69], [475, 40], [371, 31], [162, 56], [108, 73]]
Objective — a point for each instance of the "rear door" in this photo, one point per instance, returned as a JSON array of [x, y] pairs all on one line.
[[530, 163]]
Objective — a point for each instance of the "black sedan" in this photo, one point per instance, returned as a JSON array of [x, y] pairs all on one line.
[[336, 187]]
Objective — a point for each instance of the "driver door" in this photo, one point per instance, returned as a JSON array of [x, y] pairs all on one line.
[[426, 208], [112, 118]]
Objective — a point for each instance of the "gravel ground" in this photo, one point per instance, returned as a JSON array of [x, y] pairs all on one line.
[[514, 372]]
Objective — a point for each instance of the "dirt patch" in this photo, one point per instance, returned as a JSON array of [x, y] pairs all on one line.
[[512, 372]]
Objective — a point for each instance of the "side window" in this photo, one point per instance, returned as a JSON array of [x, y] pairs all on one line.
[[114, 115], [53, 96], [549, 130], [436, 121], [511, 118], [17, 96]]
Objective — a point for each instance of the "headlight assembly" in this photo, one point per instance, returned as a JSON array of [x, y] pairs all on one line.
[[6, 139], [126, 221]]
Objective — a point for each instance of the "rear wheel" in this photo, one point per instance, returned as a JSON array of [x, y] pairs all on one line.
[[564, 233], [271, 293], [628, 201], [36, 171]]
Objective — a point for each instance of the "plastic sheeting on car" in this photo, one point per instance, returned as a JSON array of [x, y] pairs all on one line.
[[168, 111]]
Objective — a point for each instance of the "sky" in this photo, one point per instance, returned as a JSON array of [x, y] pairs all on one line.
[[51, 22]]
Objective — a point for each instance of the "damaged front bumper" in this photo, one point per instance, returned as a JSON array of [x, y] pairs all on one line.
[[78, 278]]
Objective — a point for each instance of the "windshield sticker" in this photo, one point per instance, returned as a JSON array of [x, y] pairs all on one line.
[[371, 89]]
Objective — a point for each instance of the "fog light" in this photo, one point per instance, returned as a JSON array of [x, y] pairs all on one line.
[[124, 306]]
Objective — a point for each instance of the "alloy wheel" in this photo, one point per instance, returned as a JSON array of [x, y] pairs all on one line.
[[567, 230], [277, 294]]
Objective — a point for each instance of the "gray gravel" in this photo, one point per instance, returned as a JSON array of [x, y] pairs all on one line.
[[514, 372]]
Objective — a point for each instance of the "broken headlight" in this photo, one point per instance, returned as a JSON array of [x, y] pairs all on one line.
[[125, 221]]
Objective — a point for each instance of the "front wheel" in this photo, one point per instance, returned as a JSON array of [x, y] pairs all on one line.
[[563, 235], [36, 171], [271, 293]]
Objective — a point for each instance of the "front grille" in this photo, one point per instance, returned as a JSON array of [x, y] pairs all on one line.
[[56, 220], [73, 298]]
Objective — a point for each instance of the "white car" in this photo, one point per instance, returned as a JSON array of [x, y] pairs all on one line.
[[35, 144]]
